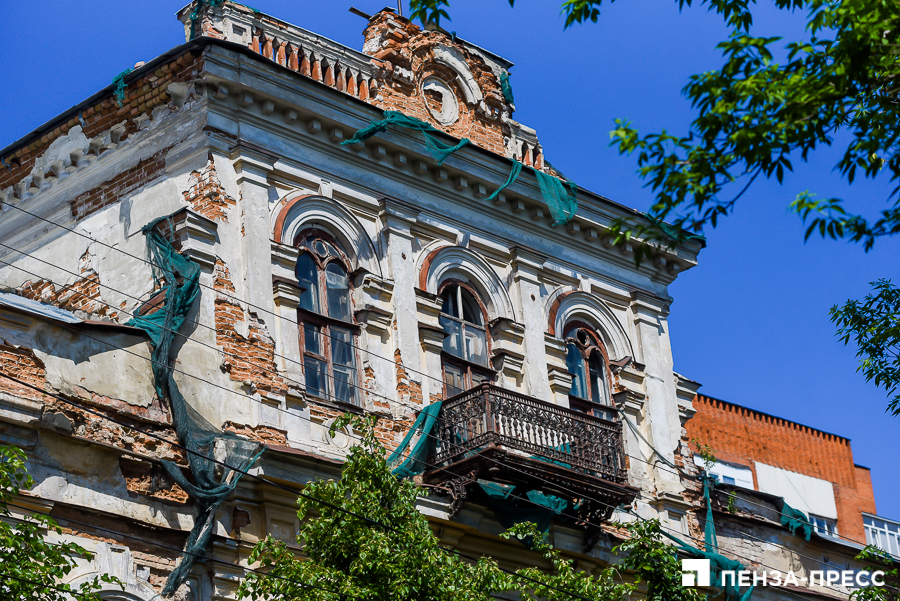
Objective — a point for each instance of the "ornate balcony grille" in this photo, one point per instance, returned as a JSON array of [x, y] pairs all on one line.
[[488, 416]]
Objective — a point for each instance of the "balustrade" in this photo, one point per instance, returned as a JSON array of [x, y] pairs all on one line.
[[488, 416]]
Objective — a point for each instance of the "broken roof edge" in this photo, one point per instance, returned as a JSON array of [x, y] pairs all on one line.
[[56, 314]]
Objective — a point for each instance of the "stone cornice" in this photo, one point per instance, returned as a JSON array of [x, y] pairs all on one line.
[[344, 113]]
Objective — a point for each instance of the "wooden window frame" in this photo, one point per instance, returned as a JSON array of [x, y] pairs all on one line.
[[325, 323], [595, 345], [469, 368]]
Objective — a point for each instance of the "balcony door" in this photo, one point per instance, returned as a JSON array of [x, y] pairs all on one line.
[[465, 359], [586, 361]]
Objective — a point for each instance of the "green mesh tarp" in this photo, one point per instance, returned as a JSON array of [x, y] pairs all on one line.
[[505, 88], [179, 278], [118, 83], [794, 519], [561, 202], [438, 149], [539, 509], [718, 563], [513, 174], [407, 462]]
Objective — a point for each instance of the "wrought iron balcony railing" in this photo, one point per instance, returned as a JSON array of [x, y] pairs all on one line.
[[488, 416]]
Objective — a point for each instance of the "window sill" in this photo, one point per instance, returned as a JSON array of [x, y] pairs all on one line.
[[335, 404]]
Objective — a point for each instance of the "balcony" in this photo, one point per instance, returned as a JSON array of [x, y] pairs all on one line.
[[497, 434]]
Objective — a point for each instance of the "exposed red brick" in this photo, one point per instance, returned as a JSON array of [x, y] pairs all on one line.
[[106, 113], [21, 363], [263, 434], [81, 295], [247, 359], [111, 191], [743, 436], [206, 194]]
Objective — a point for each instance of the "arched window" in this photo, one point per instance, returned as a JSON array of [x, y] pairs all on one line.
[[586, 361], [465, 360], [328, 334]]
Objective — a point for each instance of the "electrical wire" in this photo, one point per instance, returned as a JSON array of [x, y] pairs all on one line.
[[271, 483], [296, 416], [226, 354], [298, 324], [231, 296]]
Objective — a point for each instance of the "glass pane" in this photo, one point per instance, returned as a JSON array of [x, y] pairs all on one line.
[[470, 308], [316, 377], [452, 336], [338, 285], [727, 480], [341, 347], [598, 380], [345, 384], [308, 278], [454, 378], [476, 346], [575, 365], [312, 338], [448, 306]]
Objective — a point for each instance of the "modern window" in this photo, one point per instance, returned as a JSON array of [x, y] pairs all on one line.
[[327, 332], [587, 363], [823, 526], [884, 534], [466, 357]]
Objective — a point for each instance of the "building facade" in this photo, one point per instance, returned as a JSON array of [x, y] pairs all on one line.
[[218, 204]]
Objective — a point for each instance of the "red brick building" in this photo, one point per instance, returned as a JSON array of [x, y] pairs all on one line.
[[787, 459]]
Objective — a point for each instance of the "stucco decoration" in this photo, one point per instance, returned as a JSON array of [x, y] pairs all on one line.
[[453, 58], [456, 262], [449, 111], [301, 212], [564, 306]]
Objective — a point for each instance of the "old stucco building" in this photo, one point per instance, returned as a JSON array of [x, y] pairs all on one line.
[[365, 277]]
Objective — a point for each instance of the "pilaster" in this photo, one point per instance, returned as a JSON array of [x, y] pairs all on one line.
[[526, 265]]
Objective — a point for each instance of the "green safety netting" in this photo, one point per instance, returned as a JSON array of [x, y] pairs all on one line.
[[510, 510], [513, 174], [179, 278], [562, 202], [794, 519], [505, 88], [415, 461], [438, 149], [718, 563], [118, 83]]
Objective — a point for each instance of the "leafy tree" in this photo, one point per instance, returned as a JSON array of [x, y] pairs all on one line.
[[877, 560], [30, 566], [874, 325], [364, 539], [756, 116]]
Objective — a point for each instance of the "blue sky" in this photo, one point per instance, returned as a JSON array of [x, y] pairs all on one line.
[[750, 322]]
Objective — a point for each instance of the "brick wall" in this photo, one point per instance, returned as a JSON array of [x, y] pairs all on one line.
[[743, 436], [21, 363], [81, 295]]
